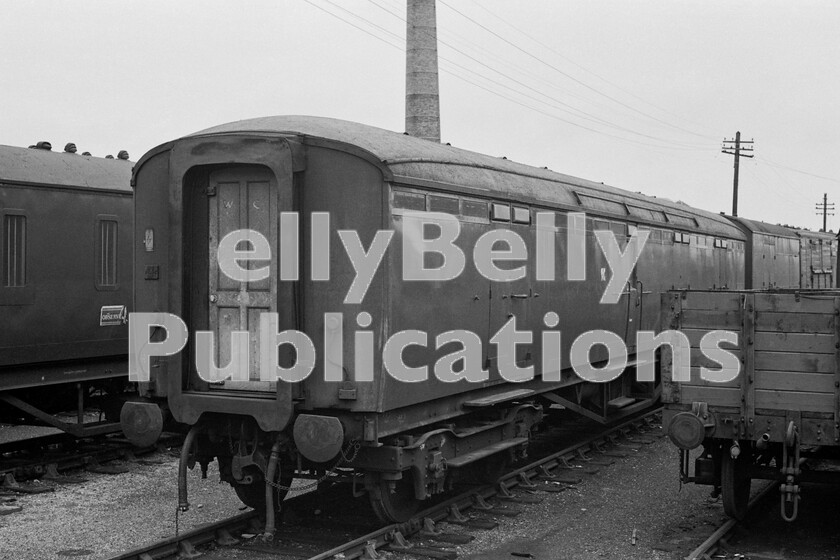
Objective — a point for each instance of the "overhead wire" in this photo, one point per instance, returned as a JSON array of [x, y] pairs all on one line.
[[573, 110], [399, 45], [557, 104], [532, 38], [780, 188], [507, 23], [774, 164], [518, 68], [377, 37], [461, 77], [570, 77]]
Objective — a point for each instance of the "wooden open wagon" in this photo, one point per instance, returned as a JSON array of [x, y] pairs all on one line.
[[783, 407]]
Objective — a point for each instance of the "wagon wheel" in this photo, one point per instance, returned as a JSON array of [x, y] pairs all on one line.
[[253, 495], [397, 504], [735, 485]]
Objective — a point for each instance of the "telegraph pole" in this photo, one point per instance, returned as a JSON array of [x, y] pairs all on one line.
[[825, 210], [735, 148]]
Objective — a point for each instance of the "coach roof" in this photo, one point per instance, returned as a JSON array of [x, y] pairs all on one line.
[[407, 156], [754, 226], [42, 167]]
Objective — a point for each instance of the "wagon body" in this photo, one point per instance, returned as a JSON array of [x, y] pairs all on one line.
[[784, 399]]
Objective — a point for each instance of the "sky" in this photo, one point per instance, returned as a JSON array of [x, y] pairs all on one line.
[[638, 95]]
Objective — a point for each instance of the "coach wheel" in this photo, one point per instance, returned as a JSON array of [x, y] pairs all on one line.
[[735, 484], [253, 495], [394, 503]]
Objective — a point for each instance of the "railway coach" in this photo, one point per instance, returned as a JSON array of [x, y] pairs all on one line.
[[65, 283], [405, 441]]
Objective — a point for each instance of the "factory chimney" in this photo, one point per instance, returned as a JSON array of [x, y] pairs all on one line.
[[422, 105]]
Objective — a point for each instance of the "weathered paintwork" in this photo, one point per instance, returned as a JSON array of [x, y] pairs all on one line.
[[356, 173], [782, 405], [817, 259], [788, 345], [54, 317], [191, 192], [772, 256]]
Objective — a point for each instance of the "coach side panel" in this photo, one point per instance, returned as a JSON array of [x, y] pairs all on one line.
[[66, 278], [152, 235], [352, 192]]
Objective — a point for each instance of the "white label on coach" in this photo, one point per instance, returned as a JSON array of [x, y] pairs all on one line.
[[113, 315]]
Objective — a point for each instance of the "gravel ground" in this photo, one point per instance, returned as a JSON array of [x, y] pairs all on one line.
[[16, 432], [597, 519], [10, 433], [112, 513]]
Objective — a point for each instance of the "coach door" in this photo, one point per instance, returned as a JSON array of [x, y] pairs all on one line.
[[241, 198], [631, 289]]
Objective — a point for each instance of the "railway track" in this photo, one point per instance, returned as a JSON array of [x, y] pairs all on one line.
[[717, 545], [473, 508], [763, 534]]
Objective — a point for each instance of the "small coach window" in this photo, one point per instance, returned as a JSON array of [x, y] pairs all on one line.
[[14, 250], [500, 212], [474, 208], [443, 204], [521, 215], [106, 253], [600, 224], [409, 200]]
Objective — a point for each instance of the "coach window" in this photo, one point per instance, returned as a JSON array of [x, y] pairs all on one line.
[[445, 204], [619, 229], [408, 200], [14, 250], [521, 215], [500, 212], [474, 210], [106, 252]]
